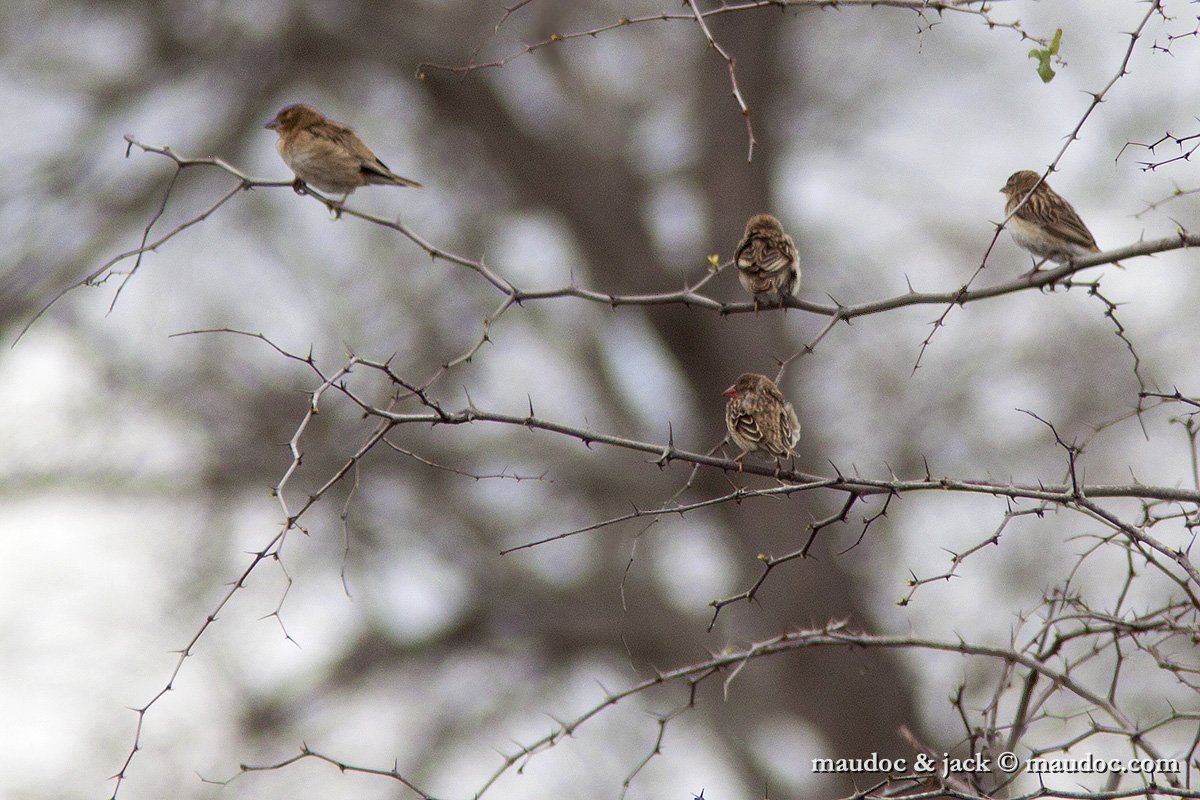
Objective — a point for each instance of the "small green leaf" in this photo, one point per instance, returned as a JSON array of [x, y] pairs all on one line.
[[715, 261], [1044, 55]]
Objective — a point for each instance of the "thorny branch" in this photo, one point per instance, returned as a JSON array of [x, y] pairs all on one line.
[[270, 551], [1186, 145], [1072, 495], [1040, 659], [1154, 7], [1035, 658], [983, 11], [690, 296], [978, 8], [729, 62], [803, 481]]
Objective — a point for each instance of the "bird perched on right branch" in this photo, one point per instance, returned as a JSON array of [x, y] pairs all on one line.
[[766, 259], [759, 419], [1046, 224]]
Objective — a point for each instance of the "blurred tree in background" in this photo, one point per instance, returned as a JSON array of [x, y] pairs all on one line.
[[367, 613]]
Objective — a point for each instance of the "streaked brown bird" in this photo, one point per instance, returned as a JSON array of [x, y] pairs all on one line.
[[759, 419], [766, 259], [1046, 225], [327, 154]]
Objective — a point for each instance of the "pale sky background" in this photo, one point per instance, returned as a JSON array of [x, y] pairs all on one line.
[[115, 553]]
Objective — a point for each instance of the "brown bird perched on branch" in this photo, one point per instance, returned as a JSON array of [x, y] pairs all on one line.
[[1046, 225], [759, 419], [766, 259], [327, 154]]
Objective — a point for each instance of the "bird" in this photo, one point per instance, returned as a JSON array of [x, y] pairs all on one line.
[[327, 154], [759, 419], [766, 259], [1046, 224]]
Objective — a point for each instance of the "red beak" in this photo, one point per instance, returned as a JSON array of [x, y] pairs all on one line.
[[731, 392]]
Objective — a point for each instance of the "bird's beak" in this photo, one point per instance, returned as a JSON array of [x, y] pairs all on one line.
[[731, 392], [271, 125]]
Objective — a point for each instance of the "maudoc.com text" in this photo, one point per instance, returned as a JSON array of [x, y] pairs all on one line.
[[1006, 762]]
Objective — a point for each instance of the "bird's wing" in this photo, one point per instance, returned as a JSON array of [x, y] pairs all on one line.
[[374, 167], [1070, 227], [747, 427], [345, 137], [1057, 217], [759, 254], [315, 148], [789, 426], [741, 256]]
